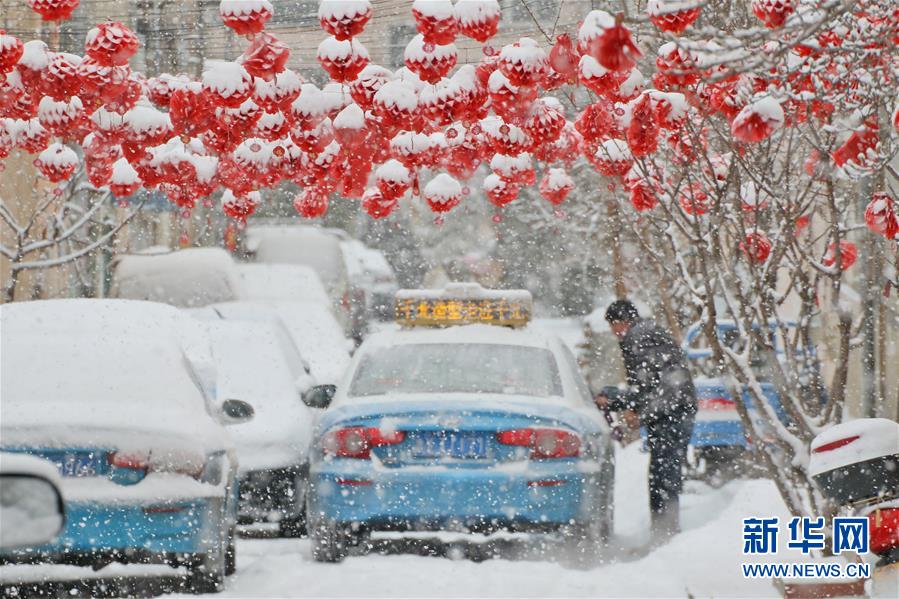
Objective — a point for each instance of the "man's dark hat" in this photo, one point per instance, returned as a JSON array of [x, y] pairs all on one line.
[[622, 311]]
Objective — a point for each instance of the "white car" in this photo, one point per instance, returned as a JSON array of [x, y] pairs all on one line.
[[111, 392], [370, 271], [281, 283], [257, 362]]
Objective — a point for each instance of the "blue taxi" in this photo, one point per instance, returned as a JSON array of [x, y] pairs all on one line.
[[463, 419]]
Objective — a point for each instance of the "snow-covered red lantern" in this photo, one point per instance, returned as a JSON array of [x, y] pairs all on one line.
[[604, 38], [57, 162], [758, 120], [344, 19], [435, 20], [54, 10], [206, 168], [227, 83], [60, 80], [393, 179], [563, 58], [613, 158], [313, 140], [147, 126], [478, 19], [756, 246], [124, 181], [643, 130], [444, 102], [191, 110], [410, 148], [861, 150], [642, 193], [500, 191], [245, 17], [524, 63], [673, 16], [161, 87], [597, 78], [848, 255], [102, 82], [546, 122], [631, 87], [278, 93], [555, 186], [367, 84], [309, 109], [127, 99], [256, 166], [442, 193], [349, 127], [311, 203], [11, 49], [396, 103], [431, 62], [271, 126], [773, 13], [694, 200], [511, 102], [173, 163], [376, 205], [670, 109], [265, 57], [32, 137], [504, 138], [596, 122], [59, 117], [111, 44], [33, 63], [517, 169], [676, 67], [240, 207], [342, 59], [882, 215]]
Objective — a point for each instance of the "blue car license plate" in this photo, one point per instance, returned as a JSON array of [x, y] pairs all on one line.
[[79, 463], [453, 444]]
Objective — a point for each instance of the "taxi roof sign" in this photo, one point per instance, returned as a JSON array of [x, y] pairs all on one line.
[[463, 303]]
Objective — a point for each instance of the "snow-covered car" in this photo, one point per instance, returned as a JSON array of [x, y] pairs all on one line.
[[110, 392], [319, 249], [369, 271], [450, 423], [312, 328], [281, 283], [30, 496], [258, 362], [187, 278]]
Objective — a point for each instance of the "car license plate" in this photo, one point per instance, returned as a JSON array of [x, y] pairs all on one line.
[[454, 444], [78, 464]]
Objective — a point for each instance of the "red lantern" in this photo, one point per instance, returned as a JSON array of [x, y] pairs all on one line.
[[676, 67], [435, 20], [344, 19], [271, 126], [517, 169], [146, 126], [642, 193], [60, 117], [643, 131], [670, 109], [694, 200], [882, 215], [342, 59], [773, 13], [756, 246], [596, 122], [227, 83], [393, 179], [597, 78], [376, 205], [613, 158], [265, 57], [505, 138], [563, 58], [670, 15], [545, 124], [443, 193], [33, 64], [349, 127], [395, 103], [429, 61], [848, 255], [159, 89], [240, 207], [509, 101], [124, 181], [32, 137], [603, 37], [311, 203], [104, 83], [370, 80], [245, 17], [500, 191], [111, 44], [191, 110], [758, 120], [411, 148], [444, 102], [279, 93], [478, 19], [57, 162], [11, 50], [313, 140], [861, 150], [523, 63], [54, 10], [555, 186]]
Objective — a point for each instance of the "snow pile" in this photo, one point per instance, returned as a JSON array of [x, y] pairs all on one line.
[[407, 143], [397, 94], [335, 96], [145, 119], [557, 178], [58, 156], [311, 103], [256, 152], [615, 150], [35, 55], [435, 9], [351, 117], [869, 438], [342, 10], [595, 24], [393, 171], [106, 120], [50, 112], [123, 173], [509, 166], [475, 12], [243, 8], [526, 53], [337, 50], [226, 78], [443, 189], [281, 282], [417, 50]]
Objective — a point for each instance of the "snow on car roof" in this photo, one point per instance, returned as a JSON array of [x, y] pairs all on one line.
[[870, 438], [472, 333], [281, 282]]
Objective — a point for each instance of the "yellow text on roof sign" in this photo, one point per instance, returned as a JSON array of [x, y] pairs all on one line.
[[448, 312]]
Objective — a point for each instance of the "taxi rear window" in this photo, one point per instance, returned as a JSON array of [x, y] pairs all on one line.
[[458, 368]]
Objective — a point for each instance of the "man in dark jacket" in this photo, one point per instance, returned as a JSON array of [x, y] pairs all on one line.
[[661, 394]]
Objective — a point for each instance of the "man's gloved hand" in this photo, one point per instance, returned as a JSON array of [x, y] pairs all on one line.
[[601, 401]]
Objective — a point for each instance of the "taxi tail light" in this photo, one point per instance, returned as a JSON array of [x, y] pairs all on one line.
[[189, 465], [835, 444], [544, 442], [883, 526], [358, 441], [132, 460]]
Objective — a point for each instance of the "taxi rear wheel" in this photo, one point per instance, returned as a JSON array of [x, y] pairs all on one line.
[[330, 541]]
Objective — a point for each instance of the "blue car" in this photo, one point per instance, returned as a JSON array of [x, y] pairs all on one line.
[[105, 391], [449, 425]]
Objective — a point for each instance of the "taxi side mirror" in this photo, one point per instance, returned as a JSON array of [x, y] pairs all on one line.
[[236, 411], [320, 396], [35, 505]]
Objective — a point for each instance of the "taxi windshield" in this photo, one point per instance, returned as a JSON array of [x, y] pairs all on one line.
[[458, 368]]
